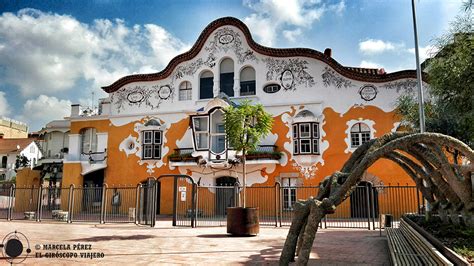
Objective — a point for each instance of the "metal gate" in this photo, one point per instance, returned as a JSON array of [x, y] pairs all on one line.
[[184, 201]]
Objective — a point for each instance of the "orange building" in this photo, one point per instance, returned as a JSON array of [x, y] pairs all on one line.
[[171, 122]]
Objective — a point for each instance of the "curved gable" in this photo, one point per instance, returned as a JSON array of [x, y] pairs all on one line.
[[224, 34]]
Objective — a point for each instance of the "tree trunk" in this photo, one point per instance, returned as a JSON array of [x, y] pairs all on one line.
[[300, 213], [314, 218], [244, 179], [443, 181]]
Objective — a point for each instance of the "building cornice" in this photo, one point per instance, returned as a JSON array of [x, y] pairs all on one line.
[[348, 72]]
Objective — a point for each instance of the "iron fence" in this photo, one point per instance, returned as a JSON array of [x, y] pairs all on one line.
[[192, 205]]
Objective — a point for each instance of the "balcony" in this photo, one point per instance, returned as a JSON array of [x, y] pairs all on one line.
[[264, 152], [93, 161], [182, 155]]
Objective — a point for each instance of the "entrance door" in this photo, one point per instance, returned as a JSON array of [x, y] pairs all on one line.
[[225, 194], [362, 202], [92, 191]]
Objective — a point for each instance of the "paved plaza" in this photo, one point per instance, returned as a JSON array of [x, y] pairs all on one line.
[[164, 244]]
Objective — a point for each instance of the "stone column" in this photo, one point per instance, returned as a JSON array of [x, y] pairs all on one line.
[[236, 85], [216, 88]]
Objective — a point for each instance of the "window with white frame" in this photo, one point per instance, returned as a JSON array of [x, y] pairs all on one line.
[[201, 132], [185, 91], [89, 140], [360, 134], [306, 138], [151, 144], [289, 192]]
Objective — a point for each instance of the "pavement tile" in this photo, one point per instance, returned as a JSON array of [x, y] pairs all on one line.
[[124, 244]]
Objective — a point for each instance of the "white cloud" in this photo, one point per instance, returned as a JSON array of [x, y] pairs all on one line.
[[41, 110], [291, 35], [4, 107], [263, 28], [368, 64], [273, 16], [372, 46], [425, 52], [44, 53]]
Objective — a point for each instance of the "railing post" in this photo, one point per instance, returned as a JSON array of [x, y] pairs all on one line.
[[368, 206], [372, 197], [38, 205], [103, 204], [137, 203], [154, 193], [70, 207], [194, 210], [418, 200], [280, 203], [11, 202], [175, 200], [277, 191]]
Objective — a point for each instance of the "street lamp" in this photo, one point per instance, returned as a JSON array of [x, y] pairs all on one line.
[[421, 109]]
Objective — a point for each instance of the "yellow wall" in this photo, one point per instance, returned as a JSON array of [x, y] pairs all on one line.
[[27, 188]]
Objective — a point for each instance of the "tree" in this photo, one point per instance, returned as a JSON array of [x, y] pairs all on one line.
[[21, 161], [450, 105], [443, 179], [245, 126]]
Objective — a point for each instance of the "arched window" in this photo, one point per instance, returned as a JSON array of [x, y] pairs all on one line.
[[185, 91], [152, 139], [206, 82], [227, 77], [247, 81], [305, 133], [89, 140], [360, 134]]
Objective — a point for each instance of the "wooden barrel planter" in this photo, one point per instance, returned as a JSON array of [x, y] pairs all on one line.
[[242, 221]]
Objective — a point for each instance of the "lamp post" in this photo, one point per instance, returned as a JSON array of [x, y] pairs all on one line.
[[421, 109]]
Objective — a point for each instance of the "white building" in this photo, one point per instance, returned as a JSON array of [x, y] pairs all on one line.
[[11, 148]]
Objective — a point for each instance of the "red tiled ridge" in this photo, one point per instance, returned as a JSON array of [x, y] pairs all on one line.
[[349, 72], [11, 145]]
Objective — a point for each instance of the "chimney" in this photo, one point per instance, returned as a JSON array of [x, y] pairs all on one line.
[[328, 52], [75, 110], [104, 106]]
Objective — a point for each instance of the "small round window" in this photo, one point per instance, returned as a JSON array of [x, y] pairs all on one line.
[[271, 88]]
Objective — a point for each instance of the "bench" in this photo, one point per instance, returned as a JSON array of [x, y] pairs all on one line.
[[408, 247]]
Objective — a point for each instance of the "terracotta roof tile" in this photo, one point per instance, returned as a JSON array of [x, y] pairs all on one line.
[[10, 145]]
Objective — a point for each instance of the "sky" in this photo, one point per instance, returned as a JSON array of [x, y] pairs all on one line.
[[57, 53]]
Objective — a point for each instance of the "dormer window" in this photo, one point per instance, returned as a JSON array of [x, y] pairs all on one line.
[[152, 139]]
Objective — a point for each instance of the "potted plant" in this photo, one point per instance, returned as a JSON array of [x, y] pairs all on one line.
[[245, 126]]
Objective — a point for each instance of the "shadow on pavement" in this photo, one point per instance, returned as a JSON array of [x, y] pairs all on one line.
[[110, 238]]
